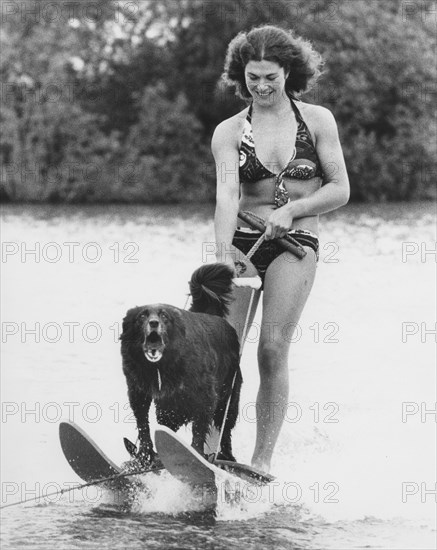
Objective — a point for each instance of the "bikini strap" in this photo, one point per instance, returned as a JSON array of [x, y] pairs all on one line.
[[249, 113], [302, 125], [296, 111]]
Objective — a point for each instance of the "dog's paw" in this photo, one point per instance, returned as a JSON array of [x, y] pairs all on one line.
[[156, 463], [131, 466], [149, 461]]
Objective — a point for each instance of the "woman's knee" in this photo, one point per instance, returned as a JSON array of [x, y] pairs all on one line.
[[272, 357]]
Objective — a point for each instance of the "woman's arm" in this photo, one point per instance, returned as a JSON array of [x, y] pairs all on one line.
[[224, 149], [335, 191]]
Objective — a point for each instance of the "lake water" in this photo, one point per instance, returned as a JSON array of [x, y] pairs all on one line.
[[355, 461]]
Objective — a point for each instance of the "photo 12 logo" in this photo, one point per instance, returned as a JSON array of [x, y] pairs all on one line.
[[51, 492], [424, 252], [414, 491], [412, 330], [292, 412], [419, 10], [289, 492], [66, 11], [70, 252], [419, 412]]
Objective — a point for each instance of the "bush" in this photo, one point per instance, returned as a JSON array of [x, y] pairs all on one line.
[[167, 150], [380, 75], [144, 136]]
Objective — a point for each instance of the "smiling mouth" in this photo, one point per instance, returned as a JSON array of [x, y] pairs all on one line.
[[264, 94], [153, 347]]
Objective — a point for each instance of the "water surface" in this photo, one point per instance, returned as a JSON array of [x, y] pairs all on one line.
[[361, 357]]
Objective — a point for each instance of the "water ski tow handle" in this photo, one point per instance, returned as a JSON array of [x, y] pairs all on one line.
[[288, 243], [254, 283]]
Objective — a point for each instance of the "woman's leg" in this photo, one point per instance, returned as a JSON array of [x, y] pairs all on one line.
[[287, 284]]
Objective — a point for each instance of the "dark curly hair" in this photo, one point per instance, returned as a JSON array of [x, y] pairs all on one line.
[[272, 43]]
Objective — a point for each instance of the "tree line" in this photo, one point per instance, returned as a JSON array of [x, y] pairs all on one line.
[[116, 101]]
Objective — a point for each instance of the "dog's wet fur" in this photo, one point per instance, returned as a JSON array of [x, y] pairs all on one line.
[[184, 361]]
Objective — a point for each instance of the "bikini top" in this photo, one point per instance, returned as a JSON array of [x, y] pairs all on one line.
[[304, 163]]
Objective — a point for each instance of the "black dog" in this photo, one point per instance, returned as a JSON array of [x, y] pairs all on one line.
[[185, 361]]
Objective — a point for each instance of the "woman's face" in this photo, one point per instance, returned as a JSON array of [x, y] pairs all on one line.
[[265, 80]]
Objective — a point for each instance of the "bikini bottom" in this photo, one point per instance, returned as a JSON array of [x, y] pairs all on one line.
[[245, 238]]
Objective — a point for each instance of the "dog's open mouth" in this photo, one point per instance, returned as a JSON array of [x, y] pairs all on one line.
[[153, 347]]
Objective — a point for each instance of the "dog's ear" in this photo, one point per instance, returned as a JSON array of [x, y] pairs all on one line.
[[177, 321], [128, 326]]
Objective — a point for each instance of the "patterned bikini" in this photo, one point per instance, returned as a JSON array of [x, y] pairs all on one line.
[[303, 165]]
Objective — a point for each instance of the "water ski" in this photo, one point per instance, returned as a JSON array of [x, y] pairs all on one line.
[[244, 472], [186, 464], [88, 461]]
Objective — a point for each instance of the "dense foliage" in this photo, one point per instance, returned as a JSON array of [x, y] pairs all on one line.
[[119, 103]]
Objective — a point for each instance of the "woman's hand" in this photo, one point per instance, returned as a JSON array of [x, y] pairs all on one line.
[[278, 223]]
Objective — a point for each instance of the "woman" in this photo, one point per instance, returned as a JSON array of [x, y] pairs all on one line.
[[280, 159]]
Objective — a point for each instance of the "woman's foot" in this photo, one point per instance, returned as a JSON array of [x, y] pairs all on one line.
[[261, 465]]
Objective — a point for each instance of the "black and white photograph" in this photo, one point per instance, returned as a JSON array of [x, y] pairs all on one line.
[[218, 274]]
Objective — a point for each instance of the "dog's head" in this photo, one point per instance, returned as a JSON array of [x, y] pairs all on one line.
[[153, 327]]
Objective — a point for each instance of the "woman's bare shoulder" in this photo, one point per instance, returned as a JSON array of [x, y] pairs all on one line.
[[229, 129], [315, 114], [319, 119]]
